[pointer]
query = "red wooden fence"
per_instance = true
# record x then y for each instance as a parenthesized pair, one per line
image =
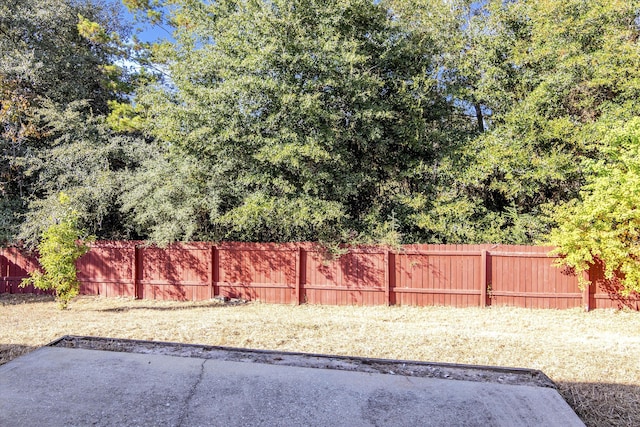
(294, 273)
(15, 266)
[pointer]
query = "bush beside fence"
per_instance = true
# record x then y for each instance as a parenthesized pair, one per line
(295, 273)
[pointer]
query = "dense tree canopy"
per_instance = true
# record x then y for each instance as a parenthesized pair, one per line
(392, 121)
(546, 74)
(313, 118)
(58, 81)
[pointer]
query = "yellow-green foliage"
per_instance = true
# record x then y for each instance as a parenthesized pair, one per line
(92, 31)
(123, 117)
(605, 223)
(59, 249)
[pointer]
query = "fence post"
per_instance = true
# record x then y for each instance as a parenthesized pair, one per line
(484, 280)
(586, 291)
(212, 261)
(2, 279)
(298, 275)
(215, 274)
(138, 294)
(387, 294)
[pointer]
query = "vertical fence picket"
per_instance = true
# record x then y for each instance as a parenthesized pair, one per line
(134, 273)
(586, 294)
(387, 269)
(212, 267)
(484, 280)
(4, 265)
(298, 277)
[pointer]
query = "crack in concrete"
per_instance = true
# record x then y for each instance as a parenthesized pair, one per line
(192, 392)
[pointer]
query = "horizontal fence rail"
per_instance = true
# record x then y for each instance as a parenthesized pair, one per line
(295, 273)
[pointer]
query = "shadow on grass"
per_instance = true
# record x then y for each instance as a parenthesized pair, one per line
(603, 404)
(186, 306)
(16, 299)
(9, 352)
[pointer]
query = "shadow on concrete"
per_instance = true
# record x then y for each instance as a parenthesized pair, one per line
(9, 352)
(603, 404)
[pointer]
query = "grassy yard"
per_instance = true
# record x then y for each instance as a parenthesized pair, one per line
(594, 358)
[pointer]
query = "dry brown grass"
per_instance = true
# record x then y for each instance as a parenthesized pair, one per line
(593, 357)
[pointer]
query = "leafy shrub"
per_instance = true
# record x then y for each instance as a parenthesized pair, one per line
(605, 223)
(59, 249)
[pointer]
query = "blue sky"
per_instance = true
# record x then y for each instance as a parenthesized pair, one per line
(149, 33)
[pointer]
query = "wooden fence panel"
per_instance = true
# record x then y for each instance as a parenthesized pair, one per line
(523, 276)
(357, 278)
(15, 266)
(604, 293)
(179, 272)
(265, 272)
(108, 270)
(438, 275)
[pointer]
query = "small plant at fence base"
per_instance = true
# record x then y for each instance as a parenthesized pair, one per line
(59, 249)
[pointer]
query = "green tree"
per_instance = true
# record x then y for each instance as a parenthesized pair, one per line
(84, 158)
(314, 120)
(170, 197)
(60, 92)
(550, 72)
